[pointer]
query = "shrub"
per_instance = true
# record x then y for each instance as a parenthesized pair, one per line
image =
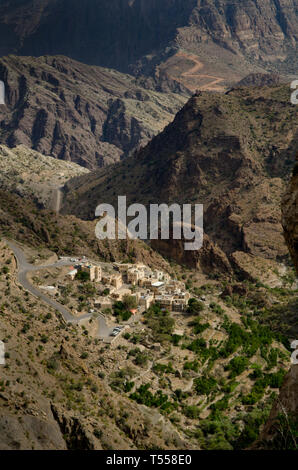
(237, 365)
(160, 322)
(205, 385)
(195, 306)
(83, 276)
(192, 412)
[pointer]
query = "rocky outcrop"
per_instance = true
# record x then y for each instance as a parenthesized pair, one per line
(280, 431)
(88, 115)
(254, 27)
(30, 432)
(209, 259)
(260, 80)
(290, 217)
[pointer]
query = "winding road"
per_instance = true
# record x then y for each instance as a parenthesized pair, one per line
(194, 72)
(24, 268)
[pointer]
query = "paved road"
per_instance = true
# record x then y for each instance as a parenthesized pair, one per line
(24, 268)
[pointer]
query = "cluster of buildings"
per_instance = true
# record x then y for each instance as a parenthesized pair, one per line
(147, 285)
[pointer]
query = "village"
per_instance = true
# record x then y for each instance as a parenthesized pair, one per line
(111, 291)
(146, 286)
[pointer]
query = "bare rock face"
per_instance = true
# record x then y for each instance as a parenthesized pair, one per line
(279, 431)
(209, 259)
(27, 432)
(110, 33)
(88, 115)
(290, 217)
(260, 80)
(256, 27)
(94, 32)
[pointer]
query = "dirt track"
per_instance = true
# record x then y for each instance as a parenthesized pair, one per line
(194, 72)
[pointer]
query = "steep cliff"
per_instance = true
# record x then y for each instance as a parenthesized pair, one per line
(110, 33)
(280, 432)
(121, 33)
(290, 217)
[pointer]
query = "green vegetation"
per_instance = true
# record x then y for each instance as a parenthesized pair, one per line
(120, 311)
(250, 340)
(199, 327)
(83, 276)
(274, 380)
(129, 302)
(191, 365)
(199, 346)
(163, 368)
(160, 322)
(158, 400)
(192, 412)
(237, 365)
(205, 385)
(195, 307)
(216, 308)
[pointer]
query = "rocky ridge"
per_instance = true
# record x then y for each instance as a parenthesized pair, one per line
(254, 30)
(75, 112)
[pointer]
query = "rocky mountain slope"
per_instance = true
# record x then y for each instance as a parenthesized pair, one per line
(232, 153)
(21, 220)
(290, 217)
(280, 431)
(51, 395)
(110, 33)
(34, 176)
(147, 36)
(89, 115)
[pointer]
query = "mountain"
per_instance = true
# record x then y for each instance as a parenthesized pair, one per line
(290, 216)
(88, 115)
(110, 33)
(148, 35)
(233, 153)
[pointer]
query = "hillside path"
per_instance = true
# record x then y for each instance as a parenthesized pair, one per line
(194, 72)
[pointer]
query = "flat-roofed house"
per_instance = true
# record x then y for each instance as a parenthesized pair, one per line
(113, 280)
(165, 301)
(178, 305)
(119, 294)
(133, 276)
(93, 271)
(72, 274)
(156, 286)
(146, 300)
(103, 302)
